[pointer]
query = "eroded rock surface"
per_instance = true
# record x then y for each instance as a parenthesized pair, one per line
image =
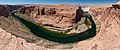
(59, 16)
(16, 28)
(108, 37)
(10, 42)
(6, 9)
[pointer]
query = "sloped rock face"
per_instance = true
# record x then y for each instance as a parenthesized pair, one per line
(48, 11)
(108, 36)
(47, 14)
(14, 7)
(6, 9)
(111, 27)
(106, 39)
(59, 16)
(10, 42)
(27, 10)
(16, 28)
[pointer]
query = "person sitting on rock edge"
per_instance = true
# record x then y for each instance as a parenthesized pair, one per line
(79, 14)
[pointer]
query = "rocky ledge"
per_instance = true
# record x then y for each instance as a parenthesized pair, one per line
(107, 38)
(10, 42)
(57, 16)
(6, 9)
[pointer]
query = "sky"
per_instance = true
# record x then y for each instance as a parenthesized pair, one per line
(86, 2)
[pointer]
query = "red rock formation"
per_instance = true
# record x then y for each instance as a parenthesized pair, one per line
(108, 37)
(10, 42)
(6, 9)
(60, 16)
(27, 10)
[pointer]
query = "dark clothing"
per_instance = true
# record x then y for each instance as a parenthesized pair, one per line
(79, 15)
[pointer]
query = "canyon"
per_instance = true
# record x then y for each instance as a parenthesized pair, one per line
(14, 35)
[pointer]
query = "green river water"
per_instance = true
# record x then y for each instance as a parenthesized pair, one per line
(58, 36)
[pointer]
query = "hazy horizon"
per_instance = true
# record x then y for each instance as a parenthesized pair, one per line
(83, 2)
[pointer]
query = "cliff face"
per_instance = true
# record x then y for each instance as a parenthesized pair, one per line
(6, 9)
(50, 10)
(60, 16)
(11, 42)
(14, 7)
(108, 36)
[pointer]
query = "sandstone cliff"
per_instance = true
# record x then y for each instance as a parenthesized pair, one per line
(6, 9)
(106, 39)
(108, 36)
(59, 16)
(10, 42)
